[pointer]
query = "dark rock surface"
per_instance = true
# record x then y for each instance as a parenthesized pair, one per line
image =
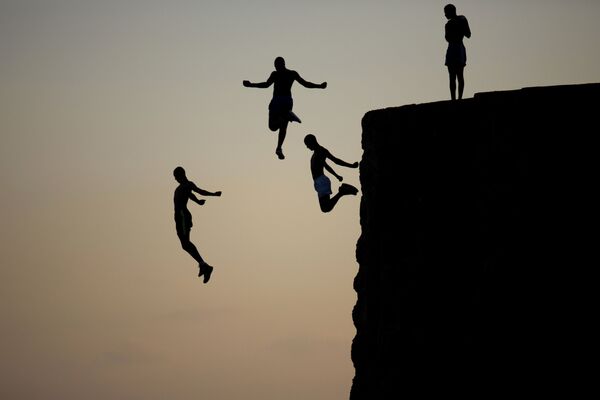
(469, 218)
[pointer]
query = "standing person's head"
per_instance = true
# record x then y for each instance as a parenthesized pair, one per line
(311, 141)
(279, 64)
(450, 11)
(179, 174)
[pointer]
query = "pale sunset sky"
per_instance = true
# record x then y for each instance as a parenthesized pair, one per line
(101, 100)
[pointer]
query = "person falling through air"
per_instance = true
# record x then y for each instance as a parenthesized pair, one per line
(183, 217)
(280, 107)
(318, 162)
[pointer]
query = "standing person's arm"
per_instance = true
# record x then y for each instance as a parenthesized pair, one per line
(467, 28)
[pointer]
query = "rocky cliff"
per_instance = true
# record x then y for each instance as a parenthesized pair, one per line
(466, 215)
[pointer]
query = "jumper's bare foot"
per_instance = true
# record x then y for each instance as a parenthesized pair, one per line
(205, 270)
(294, 118)
(207, 274)
(279, 153)
(348, 189)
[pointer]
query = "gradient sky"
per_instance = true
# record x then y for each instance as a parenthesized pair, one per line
(100, 100)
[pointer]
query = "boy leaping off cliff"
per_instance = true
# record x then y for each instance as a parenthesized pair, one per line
(280, 107)
(318, 162)
(183, 217)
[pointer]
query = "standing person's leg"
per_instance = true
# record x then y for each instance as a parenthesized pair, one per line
(452, 77)
(461, 81)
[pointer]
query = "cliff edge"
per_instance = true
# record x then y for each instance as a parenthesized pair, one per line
(466, 218)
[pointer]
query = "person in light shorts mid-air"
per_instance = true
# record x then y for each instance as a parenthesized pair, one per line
(322, 184)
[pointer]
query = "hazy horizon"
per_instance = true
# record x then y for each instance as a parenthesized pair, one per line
(100, 101)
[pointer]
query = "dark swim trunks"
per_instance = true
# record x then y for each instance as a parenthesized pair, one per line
(456, 55)
(323, 186)
(183, 222)
(281, 105)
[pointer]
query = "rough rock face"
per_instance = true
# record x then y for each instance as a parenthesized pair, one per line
(469, 223)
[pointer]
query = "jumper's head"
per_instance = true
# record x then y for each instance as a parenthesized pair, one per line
(279, 64)
(311, 141)
(179, 174)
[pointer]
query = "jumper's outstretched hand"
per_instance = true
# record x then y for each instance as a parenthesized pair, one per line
(201, 202)
(246, 83)
(355, 165)
(323, 85)
(340, 178)
(218, 193)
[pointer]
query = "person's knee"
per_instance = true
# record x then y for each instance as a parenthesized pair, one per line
(325, 206)
(274, 122)
(185, 243)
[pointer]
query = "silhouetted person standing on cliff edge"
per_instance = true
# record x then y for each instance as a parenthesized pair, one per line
(457, 28)
(318, 162)
(183, 217)
(280, 108)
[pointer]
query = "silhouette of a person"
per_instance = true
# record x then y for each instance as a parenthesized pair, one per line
(456, 29)
(322, 184)
(280, 107)
(183, 217)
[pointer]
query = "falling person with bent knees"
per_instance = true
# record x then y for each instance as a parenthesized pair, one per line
(456, 29)
(183, 217)
(280, 107)
(318, 163)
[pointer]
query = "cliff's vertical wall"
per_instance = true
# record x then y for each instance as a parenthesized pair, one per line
(465, 216)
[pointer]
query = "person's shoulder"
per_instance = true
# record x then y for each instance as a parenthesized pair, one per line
(323, 150)
(188, 185)
(462, 18)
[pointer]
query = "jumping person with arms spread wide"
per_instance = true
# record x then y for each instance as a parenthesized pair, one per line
(280, 107)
